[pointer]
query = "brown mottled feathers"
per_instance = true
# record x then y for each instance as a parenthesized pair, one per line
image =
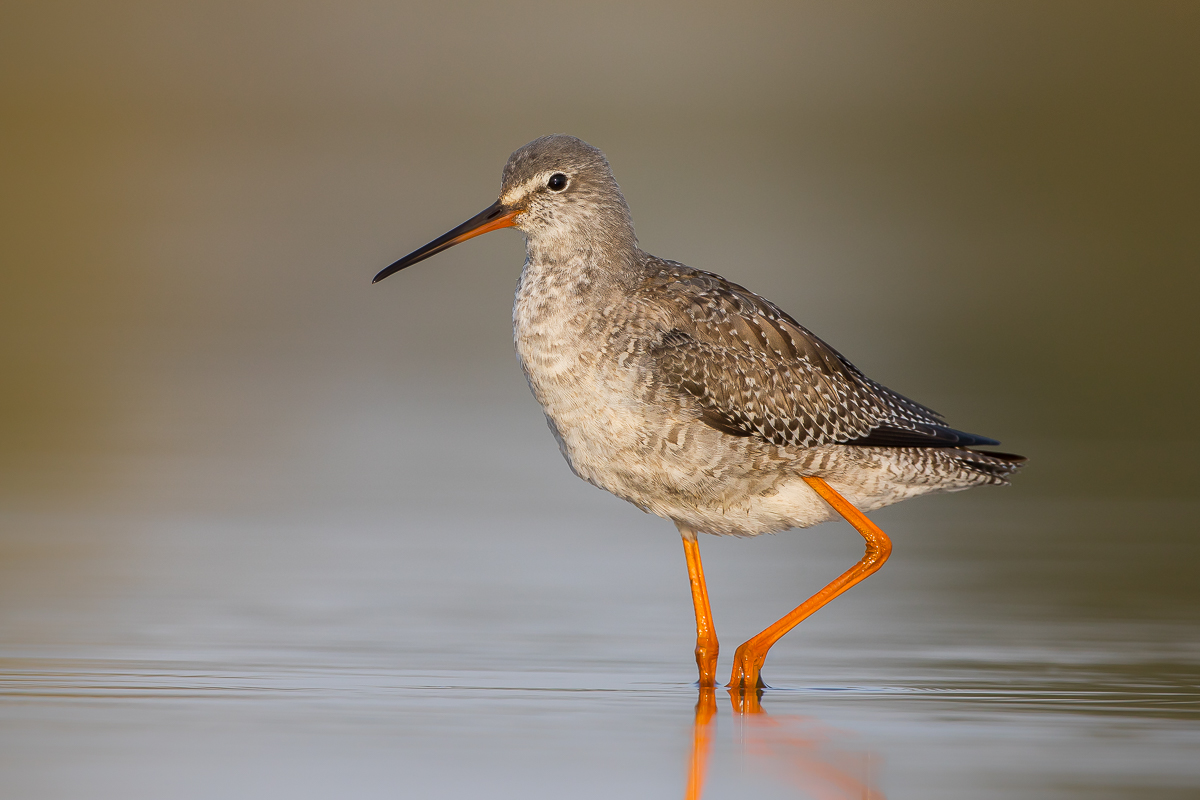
(755, 371)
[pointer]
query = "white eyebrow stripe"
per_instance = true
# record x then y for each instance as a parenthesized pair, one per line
(517, 192)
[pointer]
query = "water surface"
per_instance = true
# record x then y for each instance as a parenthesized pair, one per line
(545, 650)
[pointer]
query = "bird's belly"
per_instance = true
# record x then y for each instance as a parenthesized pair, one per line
(619, 433)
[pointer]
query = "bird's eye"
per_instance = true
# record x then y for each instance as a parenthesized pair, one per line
(557, 182)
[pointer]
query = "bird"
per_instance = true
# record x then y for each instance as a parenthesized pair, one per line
(695, 399)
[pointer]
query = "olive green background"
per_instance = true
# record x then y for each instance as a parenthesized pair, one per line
(991, 207)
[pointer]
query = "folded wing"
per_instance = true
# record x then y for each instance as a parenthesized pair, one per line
(755, 371)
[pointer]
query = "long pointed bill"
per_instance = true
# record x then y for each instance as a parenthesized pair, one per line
(492, 218)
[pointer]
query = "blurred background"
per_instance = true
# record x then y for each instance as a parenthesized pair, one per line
(218, 438)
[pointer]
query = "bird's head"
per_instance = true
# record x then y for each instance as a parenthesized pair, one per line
(560, 191)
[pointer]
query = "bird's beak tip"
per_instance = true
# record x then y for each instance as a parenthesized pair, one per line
(492, 218)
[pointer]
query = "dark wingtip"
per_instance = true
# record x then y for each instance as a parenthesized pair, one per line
(921, 435)
(1012, 457)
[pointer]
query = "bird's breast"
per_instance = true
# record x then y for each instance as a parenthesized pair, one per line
(577, 359)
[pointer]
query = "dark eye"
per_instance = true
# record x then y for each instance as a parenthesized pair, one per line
(557, 182)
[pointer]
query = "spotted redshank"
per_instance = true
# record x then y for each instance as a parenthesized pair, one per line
(694, 398)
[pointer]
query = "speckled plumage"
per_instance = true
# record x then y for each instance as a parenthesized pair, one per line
(696, 399)
(686, 394)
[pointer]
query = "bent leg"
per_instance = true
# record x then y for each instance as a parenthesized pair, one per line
(749, 658)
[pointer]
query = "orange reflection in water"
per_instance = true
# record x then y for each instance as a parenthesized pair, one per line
(805, 752)
(706, 709)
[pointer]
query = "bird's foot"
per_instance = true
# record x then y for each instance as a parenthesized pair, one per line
(747, 670)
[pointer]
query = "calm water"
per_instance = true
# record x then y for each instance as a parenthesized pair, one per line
(269, 531)
(428, 647)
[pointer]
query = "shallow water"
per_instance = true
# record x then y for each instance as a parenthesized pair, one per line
(424, 649)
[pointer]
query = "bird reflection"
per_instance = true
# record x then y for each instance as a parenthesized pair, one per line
(706, 709)
(803, 751)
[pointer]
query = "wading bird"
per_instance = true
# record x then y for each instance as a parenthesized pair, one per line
(694, 398)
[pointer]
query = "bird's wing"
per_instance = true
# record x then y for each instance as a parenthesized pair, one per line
(755, 371)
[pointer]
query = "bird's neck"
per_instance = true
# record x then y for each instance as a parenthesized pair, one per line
(563, 288)
(579, 266)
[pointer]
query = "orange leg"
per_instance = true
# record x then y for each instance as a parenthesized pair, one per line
(749, 658)
(706, 634)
